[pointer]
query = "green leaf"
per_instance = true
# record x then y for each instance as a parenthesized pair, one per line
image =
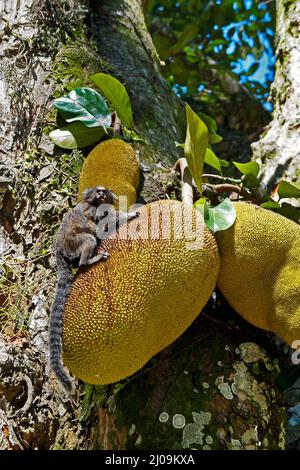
(116, 93)
(200, 201)
(132, 136)
(214, 138)
(250, 181)
(85, 105)
(286, 189)
(195, 145)
(202, 206)
(289, 211)
(177, 144)
(224, 163)
(212, 160)
(76, 135)
(272, 205)
(288, 377)
(211, 125)
(250, 168)
(218, 218)
(209, 122)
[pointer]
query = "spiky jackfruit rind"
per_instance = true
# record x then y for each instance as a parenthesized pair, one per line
(260, 269)
(112, 164)
(123, 311)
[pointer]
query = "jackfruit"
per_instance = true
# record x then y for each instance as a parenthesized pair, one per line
(112, 164)
(123, 311)
(260, 269)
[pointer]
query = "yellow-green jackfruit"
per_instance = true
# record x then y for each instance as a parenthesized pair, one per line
(112, 164)
(260, 269)
(123, 311)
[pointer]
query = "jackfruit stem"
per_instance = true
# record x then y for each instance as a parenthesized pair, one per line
(117, 125)
(187, 196)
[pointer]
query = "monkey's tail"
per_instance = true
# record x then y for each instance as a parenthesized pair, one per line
(63, 287)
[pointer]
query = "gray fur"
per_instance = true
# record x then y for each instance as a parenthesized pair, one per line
(76, 240)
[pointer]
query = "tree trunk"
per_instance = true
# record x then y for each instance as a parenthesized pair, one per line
(214, 387)
(279, 147)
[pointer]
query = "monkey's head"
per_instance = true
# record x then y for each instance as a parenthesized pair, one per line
(99, 195)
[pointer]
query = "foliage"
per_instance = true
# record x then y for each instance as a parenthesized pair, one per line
(197, 152)
(90, 110)
(200, 40)
(196, 142)
(76, 135)
(217, 218)
(222, 216)
(118, 96)
(84, 105)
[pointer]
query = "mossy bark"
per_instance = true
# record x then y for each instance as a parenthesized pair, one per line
(119, 30)
(202, 392)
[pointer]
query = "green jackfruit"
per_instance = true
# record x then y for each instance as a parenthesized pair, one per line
(112, 164)
(123, 311)
(260, 269)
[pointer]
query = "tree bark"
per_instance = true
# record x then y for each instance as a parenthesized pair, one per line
(122, 38)
(214, 387)
(279, 147)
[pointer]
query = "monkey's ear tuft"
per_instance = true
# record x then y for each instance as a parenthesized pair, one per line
(87, 193)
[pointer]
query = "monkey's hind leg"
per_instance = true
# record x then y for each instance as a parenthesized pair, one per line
(87, 252)
(104, 256)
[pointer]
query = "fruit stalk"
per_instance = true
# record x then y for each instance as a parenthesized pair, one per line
(187, 196)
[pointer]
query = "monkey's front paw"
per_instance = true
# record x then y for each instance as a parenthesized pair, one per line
(104, 256)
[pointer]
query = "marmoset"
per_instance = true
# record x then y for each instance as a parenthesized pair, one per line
(76, 241)
(92, 220)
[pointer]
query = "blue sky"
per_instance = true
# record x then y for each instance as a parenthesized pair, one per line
(265, 71)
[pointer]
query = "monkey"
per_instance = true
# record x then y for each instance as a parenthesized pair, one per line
(76, 240)
(109, 220)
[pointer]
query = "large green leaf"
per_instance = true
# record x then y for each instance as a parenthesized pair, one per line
(195, 145)
(286, 189)
(250, 168)
(217, 218)
(211, 125)
(76, 135)
(85, 105)
(117, 95)
(212, 160)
